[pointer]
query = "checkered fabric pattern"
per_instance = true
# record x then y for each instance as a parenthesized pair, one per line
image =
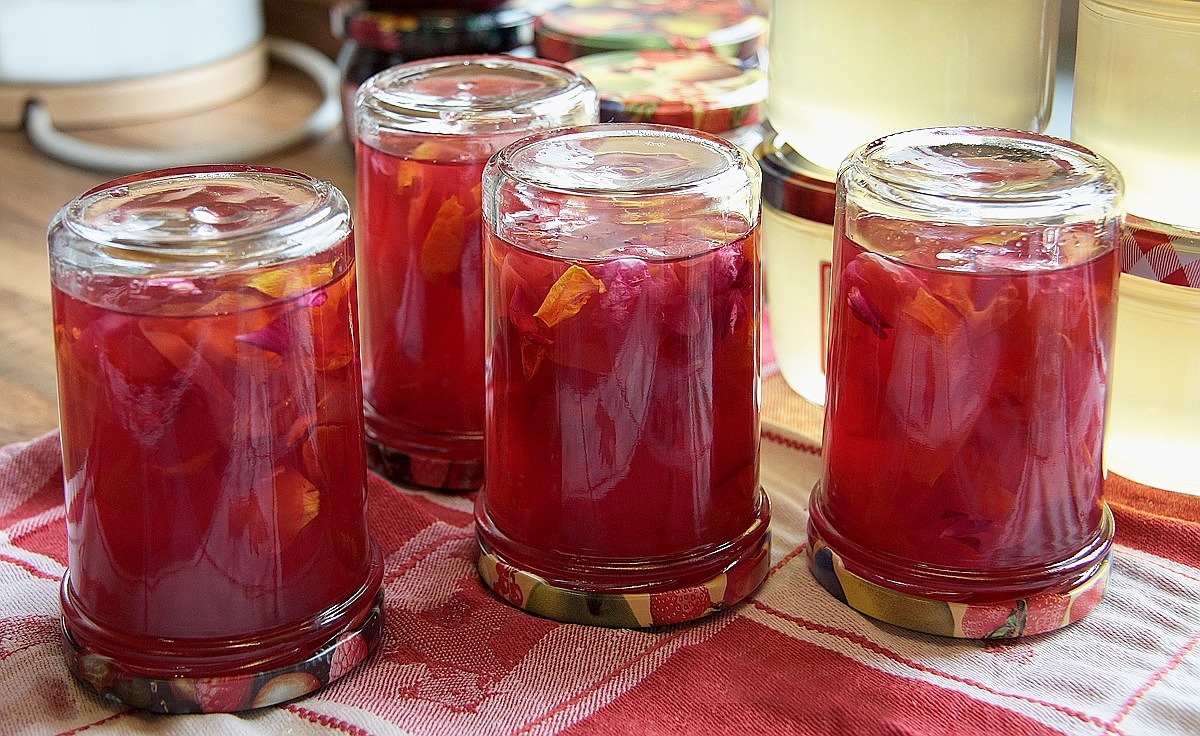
(1161, 254)
(790, 660)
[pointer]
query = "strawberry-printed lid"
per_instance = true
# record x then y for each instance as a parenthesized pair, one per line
(580, 27)
(1011, 618)
(632, 609)
(690, 89)
(231, 692)
(793, 184)
(1163, 253)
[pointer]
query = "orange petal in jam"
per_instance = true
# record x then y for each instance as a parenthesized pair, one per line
(928, 310)
(442, 251)
(568, 295)
(280, 282)
(297, 502)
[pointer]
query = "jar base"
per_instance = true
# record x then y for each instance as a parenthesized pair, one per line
(230, 693)
(643, 607)
(1055, 604)
(426, 467)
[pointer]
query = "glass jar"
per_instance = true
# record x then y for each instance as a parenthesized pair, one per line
(623, 347)
(1153, 432)
(975, 286)
(845, 72)
(1136, 101)
(577, 28)
(210, 403)
(689, 89)
(377, 36)
(797, 235)
(425, 130)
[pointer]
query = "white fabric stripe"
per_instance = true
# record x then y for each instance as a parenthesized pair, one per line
(33, 523)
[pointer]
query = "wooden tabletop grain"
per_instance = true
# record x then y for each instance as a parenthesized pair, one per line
(33, 187)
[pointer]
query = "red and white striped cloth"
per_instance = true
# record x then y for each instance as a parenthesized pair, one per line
(791, 660)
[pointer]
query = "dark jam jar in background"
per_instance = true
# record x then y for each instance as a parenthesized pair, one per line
(425, 131)
(622, 398)
(382, 33)
(211, 410)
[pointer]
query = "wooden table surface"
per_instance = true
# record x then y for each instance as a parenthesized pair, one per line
(33, 187)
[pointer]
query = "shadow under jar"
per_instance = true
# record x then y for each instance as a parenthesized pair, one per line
(623, 318)
(975, 276)
(211, 409)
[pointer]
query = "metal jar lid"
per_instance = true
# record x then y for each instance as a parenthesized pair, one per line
(419, 34)
(793, 184)
(690, 89)
(577, 28)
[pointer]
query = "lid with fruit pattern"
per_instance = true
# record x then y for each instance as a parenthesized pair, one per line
(577, 28)
(985, 618)
(690, 89)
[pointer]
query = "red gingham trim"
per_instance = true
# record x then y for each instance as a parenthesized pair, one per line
(871, 646)
(1160, 252)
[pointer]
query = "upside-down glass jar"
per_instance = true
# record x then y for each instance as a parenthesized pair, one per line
(379, 35)
(975, 285)
(211, 416)
(623, 294)
(425, 131)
